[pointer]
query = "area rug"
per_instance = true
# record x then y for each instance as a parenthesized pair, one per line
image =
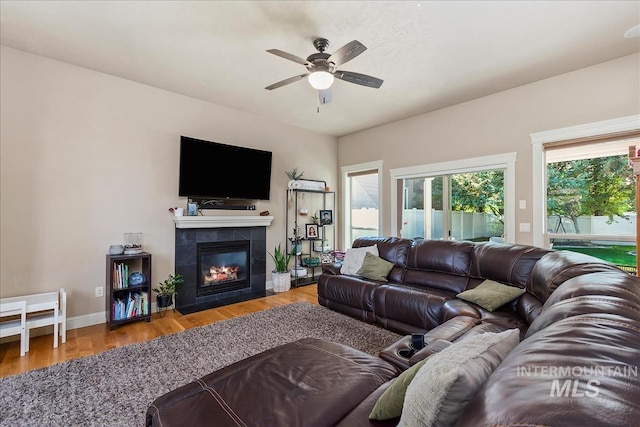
(115, 388)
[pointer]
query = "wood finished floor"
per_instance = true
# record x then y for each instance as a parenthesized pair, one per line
(98, 338)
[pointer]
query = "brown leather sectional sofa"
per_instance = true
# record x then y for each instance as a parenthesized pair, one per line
(578, 362)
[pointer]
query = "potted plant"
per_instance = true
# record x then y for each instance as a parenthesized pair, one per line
(167, 289)
(280, 277)
(293, 174)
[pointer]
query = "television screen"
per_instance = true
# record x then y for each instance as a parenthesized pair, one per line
(220, 171)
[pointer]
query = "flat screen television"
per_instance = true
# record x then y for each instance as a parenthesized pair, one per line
(211, 170)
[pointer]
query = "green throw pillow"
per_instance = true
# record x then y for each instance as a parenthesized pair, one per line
(375, 268)
(389, 404)
(441, 390)
(491, 295)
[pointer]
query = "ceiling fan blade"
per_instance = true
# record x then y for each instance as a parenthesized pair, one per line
(286, 81)
(289, 56)
(347, 52)
(359, 79)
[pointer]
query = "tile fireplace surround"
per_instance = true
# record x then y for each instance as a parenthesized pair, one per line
(191, 230)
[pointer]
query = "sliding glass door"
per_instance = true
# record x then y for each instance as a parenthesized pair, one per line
(459, 206)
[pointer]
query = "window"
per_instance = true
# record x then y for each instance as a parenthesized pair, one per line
(471, 199)
(361, 184)
(587, 192)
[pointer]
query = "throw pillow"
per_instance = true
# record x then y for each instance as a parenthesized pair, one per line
(491, 295)
(354, 257)
(448, 380)
(389, 404)
(374, 267)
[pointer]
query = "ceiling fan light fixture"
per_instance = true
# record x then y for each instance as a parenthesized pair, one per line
(321, 80)
(632, 32)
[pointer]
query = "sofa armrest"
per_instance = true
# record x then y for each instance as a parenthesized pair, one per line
(332, 269)
(456, 307)
(429, 349)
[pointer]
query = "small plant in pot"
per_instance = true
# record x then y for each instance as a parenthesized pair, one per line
(167, 289)
(280, 277)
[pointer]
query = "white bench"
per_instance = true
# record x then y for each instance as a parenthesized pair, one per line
(45, 309)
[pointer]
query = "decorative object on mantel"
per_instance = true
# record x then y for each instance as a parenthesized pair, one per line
(177, 211)
(192, 209)
(280, 277)
(116, 250)
(132, 243)
(166, 290)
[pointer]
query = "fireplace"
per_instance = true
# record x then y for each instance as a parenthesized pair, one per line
(222, 267)
(222, 261)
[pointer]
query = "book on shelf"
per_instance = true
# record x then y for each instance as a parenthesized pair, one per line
(133, 305)
(120, 276)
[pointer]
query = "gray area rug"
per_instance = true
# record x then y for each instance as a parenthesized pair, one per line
(115, 388)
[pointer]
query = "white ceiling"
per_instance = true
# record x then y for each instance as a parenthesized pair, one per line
(430, 54)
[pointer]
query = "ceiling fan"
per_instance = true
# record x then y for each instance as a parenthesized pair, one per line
(323, 67)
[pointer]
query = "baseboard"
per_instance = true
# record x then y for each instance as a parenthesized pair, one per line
(72, 323)
(83, 321)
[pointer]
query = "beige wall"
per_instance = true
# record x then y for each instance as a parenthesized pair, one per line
(86, 157)
(499, 123)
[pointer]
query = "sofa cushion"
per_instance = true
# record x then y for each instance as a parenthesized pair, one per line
(404, 309)
(351, 295)
(505, 262)
(439, 264)
(614, 292)
(557, 267)
(375, 268)
(354, 258)
(491, 295)
(448, 380)
(393, 249)
(389, 405)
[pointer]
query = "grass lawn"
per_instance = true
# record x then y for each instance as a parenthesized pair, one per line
(618, 255)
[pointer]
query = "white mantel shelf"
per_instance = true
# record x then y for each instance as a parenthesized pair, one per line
(217, 221)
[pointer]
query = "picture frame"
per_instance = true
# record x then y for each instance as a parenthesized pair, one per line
(326, 217)
(311, 232)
